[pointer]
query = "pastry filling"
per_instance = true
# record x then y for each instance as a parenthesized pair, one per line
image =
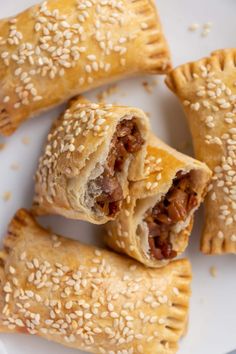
(174, 208)
(126, 140)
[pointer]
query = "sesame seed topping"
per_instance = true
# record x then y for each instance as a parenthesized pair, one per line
(215, 100)
(220, 235)
(12, 270)
(58, 45)
(193, 27)
(6, 99)
(233, 238)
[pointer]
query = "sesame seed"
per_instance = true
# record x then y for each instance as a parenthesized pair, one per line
(12, 270)
(110, 307)
(6, 99)
(91, 57)
(7, 196)
(19, 323)
(193, 27)
(176, 291)
(81, 148)
(144, 25)
(23, 256)
(233, 238)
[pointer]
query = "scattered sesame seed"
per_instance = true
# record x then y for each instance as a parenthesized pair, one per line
(213, 271)
(193, 27)
(25, 140)
(205, 32)
(15, 166)
(7, 196)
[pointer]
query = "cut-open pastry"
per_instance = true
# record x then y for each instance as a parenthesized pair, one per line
(59, 49)
(207, 91)
(157, 216)
(87, 298)
(93, 151)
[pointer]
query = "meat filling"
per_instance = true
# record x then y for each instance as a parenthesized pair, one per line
(174, 207)
(126, 140)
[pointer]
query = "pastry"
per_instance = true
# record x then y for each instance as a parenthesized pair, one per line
(156, 217)
(56, 50)
(87, 298)
(207, 91)
(93, 150)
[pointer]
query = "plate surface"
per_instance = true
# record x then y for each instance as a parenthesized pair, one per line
(212, 325)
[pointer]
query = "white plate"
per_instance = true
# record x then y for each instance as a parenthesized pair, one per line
(212, 326)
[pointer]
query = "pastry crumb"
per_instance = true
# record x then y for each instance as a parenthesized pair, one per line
(6, 196)
(103, 95)
(2, 146)
(149, 85)
(213, 271)
(193, 27)
(15, 166)
(148, 114)
(25, 140)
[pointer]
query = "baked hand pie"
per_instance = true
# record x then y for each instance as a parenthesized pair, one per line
(56, 50)
(87, 298)
(156, 217)
(207, 91)
(92, 153)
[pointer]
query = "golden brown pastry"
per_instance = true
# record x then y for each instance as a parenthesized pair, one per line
(87, 298)
(92, 152)
(207, 91)
(59, 49)
(157, 216)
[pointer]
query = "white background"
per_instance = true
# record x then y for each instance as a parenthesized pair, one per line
(212, 325)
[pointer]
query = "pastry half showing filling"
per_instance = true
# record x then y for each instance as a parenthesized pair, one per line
(156, 217)
(169, 217)
(92, 153)
(105, 192)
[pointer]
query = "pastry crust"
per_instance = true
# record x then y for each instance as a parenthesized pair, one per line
(76, 155)
(54, 51)
(129, 233)
(207, 90)
(87, 298)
